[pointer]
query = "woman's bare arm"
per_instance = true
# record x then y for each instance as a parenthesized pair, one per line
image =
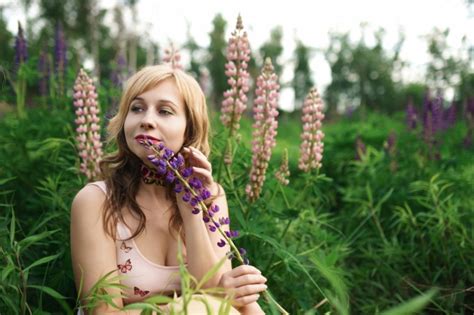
(92, 250)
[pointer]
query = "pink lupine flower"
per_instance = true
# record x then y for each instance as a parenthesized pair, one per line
(283, 172)
(235, 98)
(88, 129)
(311, 149)
(173, 57)
(265, 127)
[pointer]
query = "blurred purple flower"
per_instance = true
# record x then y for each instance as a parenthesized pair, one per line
(44, 72)
(411, 115)
(60, 56)
(449, 116)
(21, 53)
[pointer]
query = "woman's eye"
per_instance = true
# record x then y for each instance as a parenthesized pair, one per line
(136, 108)
(165, 112)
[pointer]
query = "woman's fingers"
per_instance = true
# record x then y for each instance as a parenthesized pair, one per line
(249, 279)
(198, 158)
(243, 270)
(250, 289)
(244, 300)
(204, 173)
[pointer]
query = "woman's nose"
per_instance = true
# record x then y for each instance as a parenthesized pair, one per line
(147, 121)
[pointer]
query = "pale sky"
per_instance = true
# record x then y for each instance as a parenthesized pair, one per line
(310, 21)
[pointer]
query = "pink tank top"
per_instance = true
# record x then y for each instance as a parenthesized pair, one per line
(142, 277)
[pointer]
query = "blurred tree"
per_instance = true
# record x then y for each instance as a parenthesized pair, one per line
(273, 48)
(193, 49)
(217, 60)
(302, 81)
(362, 76)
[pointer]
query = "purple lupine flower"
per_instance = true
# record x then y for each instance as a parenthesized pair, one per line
(192, 190)
(312, 146)
(360, 148)
(432, 117)
(119, 72)
(235, 98)
(411, 115)
(173, 57)
(60, 56)
(265, 128)
(88, 125)
(21, 52)
(44, 72)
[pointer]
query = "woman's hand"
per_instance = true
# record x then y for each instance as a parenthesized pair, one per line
(202, 168)
(244, 283)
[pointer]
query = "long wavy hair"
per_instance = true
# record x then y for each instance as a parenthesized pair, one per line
(121, 169)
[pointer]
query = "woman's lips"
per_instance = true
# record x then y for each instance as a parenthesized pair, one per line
(141, 138)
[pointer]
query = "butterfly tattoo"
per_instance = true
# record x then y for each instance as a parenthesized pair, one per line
(125, 248)
(125, 267)
(142, 293)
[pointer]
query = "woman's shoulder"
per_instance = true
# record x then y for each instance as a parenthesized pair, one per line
(89, 200)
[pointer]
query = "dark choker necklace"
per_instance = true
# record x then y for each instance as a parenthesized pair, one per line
(150, 176)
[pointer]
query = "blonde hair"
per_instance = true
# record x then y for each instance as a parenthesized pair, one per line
(121, 169)
(197, 124)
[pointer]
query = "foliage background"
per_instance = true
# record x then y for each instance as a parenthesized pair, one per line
(362, 236)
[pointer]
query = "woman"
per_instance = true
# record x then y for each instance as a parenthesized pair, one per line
(132, 221)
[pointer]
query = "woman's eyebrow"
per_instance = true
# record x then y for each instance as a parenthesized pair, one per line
(162, 101)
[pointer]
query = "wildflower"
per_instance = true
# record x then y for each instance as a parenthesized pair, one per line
(360, 148)
(312, 147)
(265, 127)
(88, 127)
(432, 117)
(449, 116)
(118, 74)
(44, 71)
(411, 115)
(283, 172)
(21, 53)
(60, 56)
(193, 191)
(391, 149)
(235, 98)
(173, 57)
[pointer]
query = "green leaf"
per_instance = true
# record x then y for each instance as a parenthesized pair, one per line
(28, 241)
(12, 228)
(412, 306)
(42, 261)
(3, 181)
(55, 294)
(211, 272)
(6, 271)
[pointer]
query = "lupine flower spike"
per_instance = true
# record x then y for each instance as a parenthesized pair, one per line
(283, 172)
(172, 168)
(20, 58)
(88, 127)
(173, 57)
(312, 146)
(44, 72)
(411, 115)
(235, 98)
(60, 57)
(265, 128)
(21, 53)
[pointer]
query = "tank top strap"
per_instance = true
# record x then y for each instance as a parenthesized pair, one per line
(122, 231)
(100, 184)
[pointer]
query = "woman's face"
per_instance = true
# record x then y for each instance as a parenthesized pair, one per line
(159, 113)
